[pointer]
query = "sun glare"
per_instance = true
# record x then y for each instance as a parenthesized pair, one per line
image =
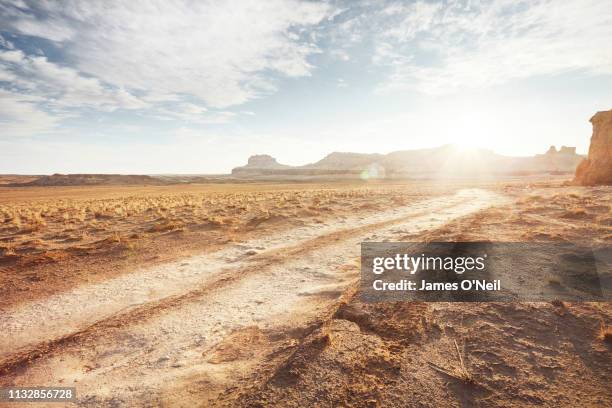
(473, 131)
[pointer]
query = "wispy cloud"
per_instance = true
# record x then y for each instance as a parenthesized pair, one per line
(61, 86)
(21, 116)
(214, 51)
(167, 59)
(435, 49)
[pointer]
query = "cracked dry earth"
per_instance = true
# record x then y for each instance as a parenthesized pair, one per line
(192, 332)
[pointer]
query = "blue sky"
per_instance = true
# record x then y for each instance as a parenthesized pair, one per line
(198, 86)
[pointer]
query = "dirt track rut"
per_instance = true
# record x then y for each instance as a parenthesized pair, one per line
(128, 338)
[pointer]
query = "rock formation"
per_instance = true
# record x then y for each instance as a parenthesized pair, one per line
(259, 163)
(443, 161)
(597, 167)
(263, 161)
(345, 161)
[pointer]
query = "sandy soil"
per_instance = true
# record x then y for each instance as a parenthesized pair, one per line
(272, 316)
(56, 238)
(457, 354)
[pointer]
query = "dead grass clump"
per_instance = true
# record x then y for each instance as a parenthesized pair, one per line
(368, 206)
(605, 333)
(560, 307)
(165, 227)
(460, 373)
(530, 199)
(575, 213)
(257, 219)
(306, 213)
(557, 303)
(102, 215)
(114, 238)
(15, 221)
(7, 250)
(540, 234)
(605, 220)
(128, 245)
(213, 222)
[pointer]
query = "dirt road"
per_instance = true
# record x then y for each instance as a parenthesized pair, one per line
(185, 331)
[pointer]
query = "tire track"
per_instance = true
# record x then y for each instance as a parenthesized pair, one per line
(142, 348)
(60, 316)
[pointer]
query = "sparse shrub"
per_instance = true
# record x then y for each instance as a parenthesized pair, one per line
(164, 227)
(575, 213)
(605, 333)
(16, 221)
(115, 238)
(7, 250)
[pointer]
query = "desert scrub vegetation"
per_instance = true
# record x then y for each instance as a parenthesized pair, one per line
(64, 223)
(605, 332)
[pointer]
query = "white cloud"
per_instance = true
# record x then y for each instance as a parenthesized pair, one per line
(41, 94)
(20, 115)
(6, 43)
(436, 49)
(214, 51)
(62, 87)
(193, 113)
(12, 56)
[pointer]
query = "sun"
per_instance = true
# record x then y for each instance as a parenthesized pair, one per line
(474, 130)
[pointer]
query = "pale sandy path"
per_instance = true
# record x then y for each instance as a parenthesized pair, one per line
(145, 356)
(59, 315)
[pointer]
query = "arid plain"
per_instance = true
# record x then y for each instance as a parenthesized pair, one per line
(246, 295)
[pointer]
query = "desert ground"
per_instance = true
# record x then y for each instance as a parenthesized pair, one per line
(247, 295)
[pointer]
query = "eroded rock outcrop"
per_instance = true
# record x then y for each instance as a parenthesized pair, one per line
(259, 163)
(442, 161)
(597, 167)
(263, 161)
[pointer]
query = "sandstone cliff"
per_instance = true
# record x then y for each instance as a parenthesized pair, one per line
(597, 167)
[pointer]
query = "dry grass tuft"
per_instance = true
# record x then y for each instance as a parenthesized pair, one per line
(605, 333)
(164, 226)
(557, 303)
(86, 219)
(575, 213)
(460, 373)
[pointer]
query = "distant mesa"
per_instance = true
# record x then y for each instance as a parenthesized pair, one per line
(596, 169)
(259, 164)
(445, 161)
(264, 161)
